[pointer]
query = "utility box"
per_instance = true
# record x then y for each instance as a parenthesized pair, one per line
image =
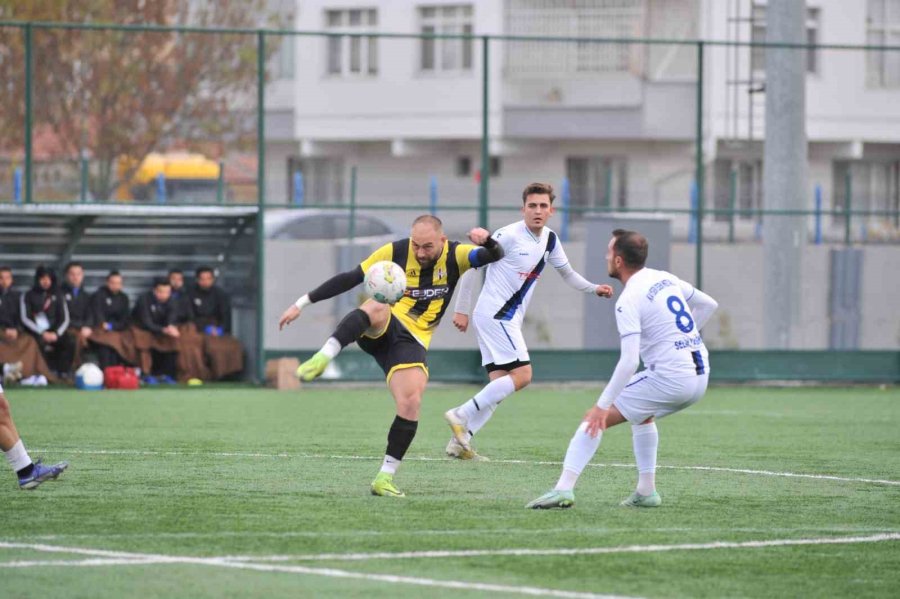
(600, 330)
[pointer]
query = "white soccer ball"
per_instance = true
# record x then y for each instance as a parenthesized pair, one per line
(89, 377)
(385, 282)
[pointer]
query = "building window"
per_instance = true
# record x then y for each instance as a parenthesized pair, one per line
(758, 34)
(580, 19)
(873, 186)
(322, 182)
(463, 166)
(282, 63)
(597, 182)
(352, 54)
(883, 29)
(737, 184)
(443, 55)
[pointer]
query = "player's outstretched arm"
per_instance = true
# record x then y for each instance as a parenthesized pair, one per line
(490, 250)
(579, 283)
(336, 285)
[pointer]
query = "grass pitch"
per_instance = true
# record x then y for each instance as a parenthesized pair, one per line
(254, 493)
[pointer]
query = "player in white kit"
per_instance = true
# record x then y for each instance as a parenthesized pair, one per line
(659, 318)
(529, 246)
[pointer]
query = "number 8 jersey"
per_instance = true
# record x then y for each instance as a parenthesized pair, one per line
(655, 305)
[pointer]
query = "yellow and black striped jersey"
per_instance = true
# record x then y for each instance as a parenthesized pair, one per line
(428, 290)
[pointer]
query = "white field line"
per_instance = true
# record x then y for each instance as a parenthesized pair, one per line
(121, 558)
(874, 481)
(469, 532)
(528, 552)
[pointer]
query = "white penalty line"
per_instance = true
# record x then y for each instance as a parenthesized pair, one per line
(121, 558)
(225, 454)
(529, 552)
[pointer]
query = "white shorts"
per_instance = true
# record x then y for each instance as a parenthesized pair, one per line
(649, 394)
(500, 342)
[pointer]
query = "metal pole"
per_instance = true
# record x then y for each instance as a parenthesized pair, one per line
(220, 185)
(698, 267)
(260, 201)
(29, 110)
(818, 215)
(432, 195)
(848, 196)
(84, 178)
(732, 197)
(352, 233)
(565, 192)
(485, 156)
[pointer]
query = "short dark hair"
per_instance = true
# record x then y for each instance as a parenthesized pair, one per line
(431, 220)
(5, 268)
(161, 282)
(202, 269)
(113, 273)
(175, 271)
(71, 265)
(539, 189)
(632, 247)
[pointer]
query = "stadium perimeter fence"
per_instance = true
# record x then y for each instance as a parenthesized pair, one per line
(295, 122)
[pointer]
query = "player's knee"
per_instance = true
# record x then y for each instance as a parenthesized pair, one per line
(5, 415)
(377, 313)
(521, 377)
(408, 406)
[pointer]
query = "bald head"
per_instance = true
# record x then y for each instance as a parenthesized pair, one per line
(427, 239)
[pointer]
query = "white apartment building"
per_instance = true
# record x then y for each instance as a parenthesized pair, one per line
(618, 121)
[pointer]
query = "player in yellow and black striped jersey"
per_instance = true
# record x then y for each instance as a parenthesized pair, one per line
(398, 336)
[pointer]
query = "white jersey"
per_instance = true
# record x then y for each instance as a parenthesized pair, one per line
(510, 281)
(654, 304)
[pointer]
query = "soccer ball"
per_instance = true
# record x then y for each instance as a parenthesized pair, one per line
(385, 282)
(89, 377)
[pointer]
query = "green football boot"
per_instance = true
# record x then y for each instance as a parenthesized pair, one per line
(383, 486)
(635, 500)
(553, 499)
(314, 367)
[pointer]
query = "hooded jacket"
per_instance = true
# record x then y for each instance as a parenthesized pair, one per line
(39, 307)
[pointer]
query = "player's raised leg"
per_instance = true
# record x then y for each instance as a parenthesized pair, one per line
(30, 474)
(407, 385)
(371, 318)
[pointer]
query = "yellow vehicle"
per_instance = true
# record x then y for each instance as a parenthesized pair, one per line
(172, 178)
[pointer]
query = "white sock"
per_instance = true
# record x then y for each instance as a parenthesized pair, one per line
(645, 438)
(331, 348)
(480, 418)
(582, 448)
(17, 457)
(492, 394)
(390, 464)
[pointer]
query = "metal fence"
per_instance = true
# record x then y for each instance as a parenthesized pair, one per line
(393, 125)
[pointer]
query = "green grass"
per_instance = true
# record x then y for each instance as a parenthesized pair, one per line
(224, 472)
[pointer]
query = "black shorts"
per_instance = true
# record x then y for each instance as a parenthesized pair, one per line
(395, 349)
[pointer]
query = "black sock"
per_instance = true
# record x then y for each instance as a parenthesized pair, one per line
(352, 327)
(400, 437)
(26, 471)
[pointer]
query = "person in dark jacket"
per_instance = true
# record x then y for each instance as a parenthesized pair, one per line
(78, 302)
(212, 316)
(16, 348)
(155, 313)
(46, 317)
(184, 313)
(210, 304)
(109, 308)
(10, 321)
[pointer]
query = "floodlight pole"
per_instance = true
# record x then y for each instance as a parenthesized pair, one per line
(485, 149)
(260, 203)
(699, 174)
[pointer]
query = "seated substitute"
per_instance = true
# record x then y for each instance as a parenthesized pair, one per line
(16, 348)
(109, 308)
(46, 317)
(78, 303)
(154, 313)
(211, 309)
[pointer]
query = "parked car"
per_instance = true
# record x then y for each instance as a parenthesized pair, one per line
(311, 224)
